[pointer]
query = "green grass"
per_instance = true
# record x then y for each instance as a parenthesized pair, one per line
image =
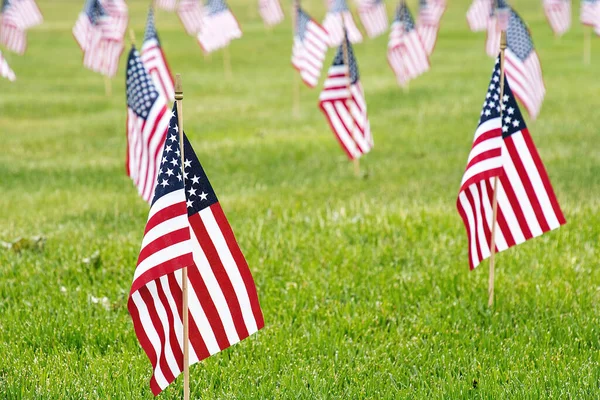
(364, 284)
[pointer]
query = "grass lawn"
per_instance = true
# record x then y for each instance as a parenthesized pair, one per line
(364, 283)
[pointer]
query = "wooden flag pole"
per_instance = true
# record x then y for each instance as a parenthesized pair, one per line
(296, 92)
(184, 278)
(495, 198)
(587, 45)
(132, 36)
(356, 161)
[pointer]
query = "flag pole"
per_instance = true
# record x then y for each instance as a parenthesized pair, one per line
(296, 94)
(495, 198)
(227, 63)
(356, 161)
(184, 278)
(132, 36)
(587, 45)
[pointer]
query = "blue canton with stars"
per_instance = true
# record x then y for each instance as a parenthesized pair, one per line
(141, 93)
(5, 5)
(150, 27)
(512, 119)
(339, 60)
(198, 190)
(404, 17)
(169, 177)
(302, 20)
(338, 6)
(518, 38)
(94, 10)
(216, 6)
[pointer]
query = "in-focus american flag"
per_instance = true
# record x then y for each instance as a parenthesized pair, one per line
(309, 49)
(5, 71)
(147, 123)
(270, 11)
(430, 15)
(590, 13)
(373, 15)
(479, 14)
(16, 17)
(406, 54)
(219, 26)
(155, 61)
(526, 204)
(191, 13)
(343, 103)
(167, 5)
(497, 22)
(338, 17)
(187, 228)
(558, 14)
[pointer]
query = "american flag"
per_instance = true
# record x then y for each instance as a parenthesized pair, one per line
(12, 37)
(479, 14)
(430, 15)
(190, 13)
(523, 67)
(5, 70)
(155, 61)
(558, 13)
(343, 103)
(219, 26)
(373, 15)
(222, 297)
(498, 22)
(25, 13)
(406, 53)
(310, 47)
(119, 14)
(270, 11)
(503, 148)
(167, 5)
(338, 17)
(147, 123)
(590, 13)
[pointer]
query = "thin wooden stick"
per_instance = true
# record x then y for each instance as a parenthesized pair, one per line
(227, 63)
(495, 198)
(184, 278)
(132, 36)
(347, 63)
(296, 90)
(587, 45)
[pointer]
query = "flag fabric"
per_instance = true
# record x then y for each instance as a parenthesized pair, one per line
(155, 62)
(430, 15)
(373, 16)
(25, 13)
(497, 22)
(5, 71)
(190, 13)
(503, 148)
(119, 15)
(479, 14)
(219, 27)
(523, 67)
(270, 11)
(336, 18)
(406, 54)
(187, 228)
(558, 14)
(167, 5)
(590, 13)
(147, 123)
(343, 103)
(12, 37)
(309, 49)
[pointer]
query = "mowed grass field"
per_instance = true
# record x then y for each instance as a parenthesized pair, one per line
(364, 283)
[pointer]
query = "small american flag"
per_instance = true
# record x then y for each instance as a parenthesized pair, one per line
(338, 17)
(12, 37)
(119, 14)
(270, 11)
(479, 14)
(373, 15)
(5, 71)
(187, 228)
(219, 26)
(190, 13)
(498, 22)
(167, 5)
(310, 47)
(155, 61)
(343, 103)
(523, 67)
(558, 13)
(503, 148)
(406, 53)
(590, 13)
(16, 16)
(430, 15)
(147, 123)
